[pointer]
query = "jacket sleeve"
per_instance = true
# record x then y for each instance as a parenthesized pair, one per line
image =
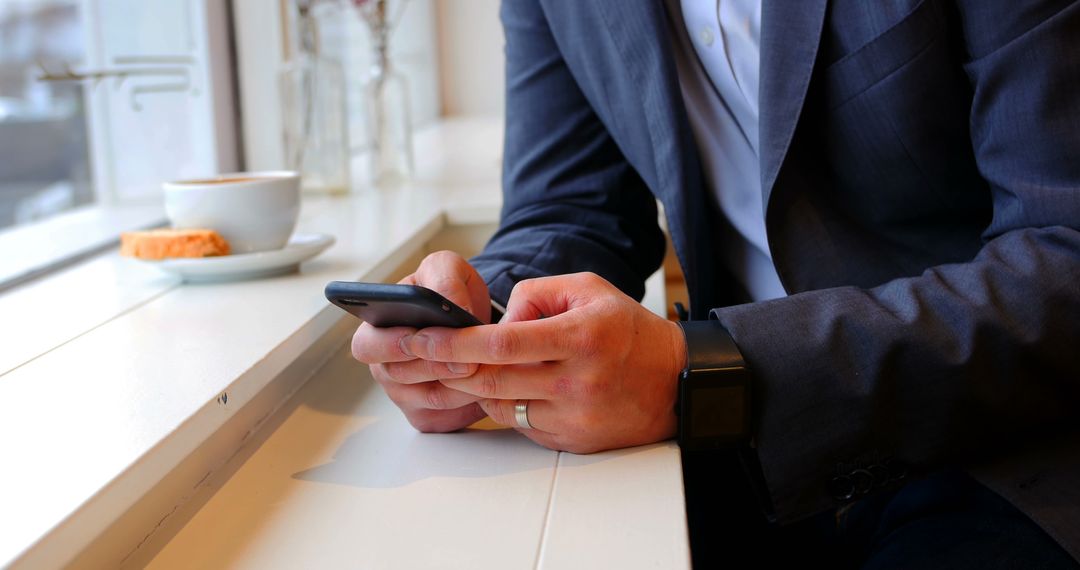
(571, 202)
(964, 360)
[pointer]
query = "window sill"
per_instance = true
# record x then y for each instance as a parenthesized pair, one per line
(44, 246)
(124, 373)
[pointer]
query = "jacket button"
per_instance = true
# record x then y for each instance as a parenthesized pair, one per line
(842, 488)
(861, 481)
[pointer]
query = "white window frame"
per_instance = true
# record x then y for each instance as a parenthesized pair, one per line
(36, 249)
(256, 32)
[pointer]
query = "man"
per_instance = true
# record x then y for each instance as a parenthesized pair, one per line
(881, 219)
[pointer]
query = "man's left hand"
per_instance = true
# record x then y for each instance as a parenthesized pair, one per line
(598, 370)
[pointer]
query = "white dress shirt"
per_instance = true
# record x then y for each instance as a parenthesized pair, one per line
(717, 53)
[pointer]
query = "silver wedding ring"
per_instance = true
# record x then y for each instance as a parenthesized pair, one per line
(521, 414)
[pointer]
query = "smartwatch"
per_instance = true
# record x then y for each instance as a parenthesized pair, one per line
(714, 400)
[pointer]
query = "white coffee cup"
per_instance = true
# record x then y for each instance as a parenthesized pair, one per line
(253, 211)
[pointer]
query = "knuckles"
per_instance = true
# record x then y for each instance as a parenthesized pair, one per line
(447, 285)
(589, 338)
(432, 346)
(443, 259)
(593, 386)
(438, 264)
(562, 387)
(434, 397)
(486, 382)
(589, 282)
(448, 274)
(590, 279)
(526, 287)
(503, 344)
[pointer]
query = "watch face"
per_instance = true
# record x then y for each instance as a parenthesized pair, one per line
(714, 408)
(717, 411)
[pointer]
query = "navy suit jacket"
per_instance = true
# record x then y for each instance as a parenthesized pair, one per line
(921, 174)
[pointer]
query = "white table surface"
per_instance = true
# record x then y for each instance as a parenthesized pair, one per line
(99, 405)
(345, 482)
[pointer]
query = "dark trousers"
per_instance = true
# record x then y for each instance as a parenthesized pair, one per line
(947, 520)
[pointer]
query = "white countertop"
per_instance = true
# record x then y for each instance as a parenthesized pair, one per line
(345, 482)
(112, 373)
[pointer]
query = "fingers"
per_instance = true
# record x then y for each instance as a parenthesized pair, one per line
(539, 381)
(447, 279)
(442, 421)
(504, 343)
(416, 371)
(534, 299)
(450, 275)
(548, 425)
(429, 406)
(372, 344)
(522, 336)
(444, 272)
(503, 412)
(421, 396)
(542, 297)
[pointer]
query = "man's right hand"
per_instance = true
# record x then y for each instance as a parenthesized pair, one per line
(411, 382)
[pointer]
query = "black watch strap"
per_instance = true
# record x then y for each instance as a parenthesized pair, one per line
(714, 390)
(709, 346)
(712, 352)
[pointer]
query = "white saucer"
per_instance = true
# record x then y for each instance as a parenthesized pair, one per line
(301, 247)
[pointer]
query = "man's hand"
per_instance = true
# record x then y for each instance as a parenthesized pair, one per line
(598, 369)
(409, 381)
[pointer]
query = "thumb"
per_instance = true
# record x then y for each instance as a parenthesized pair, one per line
(537, 298)
(448, 274)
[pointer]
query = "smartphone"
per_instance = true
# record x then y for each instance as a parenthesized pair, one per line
(385, 305)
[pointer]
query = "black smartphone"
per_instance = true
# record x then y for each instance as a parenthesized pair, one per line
(385, 305)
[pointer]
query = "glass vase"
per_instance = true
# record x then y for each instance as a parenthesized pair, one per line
(315, 117)
(389, 131)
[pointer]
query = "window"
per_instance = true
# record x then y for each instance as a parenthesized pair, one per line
(145, 91)
(43, 125)
(137, 92)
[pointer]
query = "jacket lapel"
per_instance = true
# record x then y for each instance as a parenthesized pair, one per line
(791, 32)
(640, 32)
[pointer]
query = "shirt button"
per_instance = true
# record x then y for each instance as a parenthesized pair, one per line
(706, 36)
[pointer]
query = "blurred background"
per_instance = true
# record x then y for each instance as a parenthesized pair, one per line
(43, 126)
(101, 100)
